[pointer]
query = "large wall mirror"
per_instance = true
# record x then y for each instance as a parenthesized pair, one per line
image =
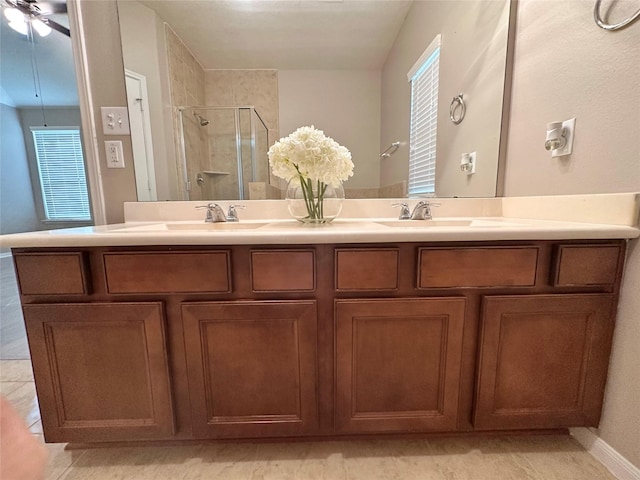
(43, 156)
(212, 84)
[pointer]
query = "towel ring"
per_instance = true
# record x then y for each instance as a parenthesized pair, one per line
(608, 26)
(457, 104)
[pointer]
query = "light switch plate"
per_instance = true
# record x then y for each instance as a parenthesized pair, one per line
(115, 120)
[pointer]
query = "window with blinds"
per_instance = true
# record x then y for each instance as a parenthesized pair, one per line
(424, 121)
(61, 171)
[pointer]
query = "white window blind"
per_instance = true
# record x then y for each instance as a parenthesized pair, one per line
(62, 175)
(424, 121)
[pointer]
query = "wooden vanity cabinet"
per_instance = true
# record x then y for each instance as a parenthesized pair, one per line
(184, 342)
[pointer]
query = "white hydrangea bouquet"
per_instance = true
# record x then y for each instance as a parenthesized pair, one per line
(315, 165)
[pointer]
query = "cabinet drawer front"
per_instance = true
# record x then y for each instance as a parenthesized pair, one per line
(586, 265)
(283, 270)
(477, 267)
(164, 272)
(52, 273)
(366, 269)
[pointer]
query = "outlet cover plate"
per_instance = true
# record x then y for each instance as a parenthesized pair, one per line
(569, 126)
(115, 155)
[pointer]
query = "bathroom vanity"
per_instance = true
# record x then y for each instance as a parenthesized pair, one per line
(165, 330)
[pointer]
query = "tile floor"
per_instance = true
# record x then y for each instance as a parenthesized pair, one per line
(551, 457)
(13, 338)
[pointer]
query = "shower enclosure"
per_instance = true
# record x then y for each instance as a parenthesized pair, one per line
(223, 151)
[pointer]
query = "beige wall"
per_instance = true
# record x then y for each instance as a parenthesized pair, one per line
(345, 104)
(566, 66)
(472, 62)
(106, 80)
(144, 52)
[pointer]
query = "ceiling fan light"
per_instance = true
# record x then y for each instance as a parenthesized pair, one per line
(13, 15)
(20, 27)
(40, 27)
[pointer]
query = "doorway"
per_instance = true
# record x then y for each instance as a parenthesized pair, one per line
(140, 124)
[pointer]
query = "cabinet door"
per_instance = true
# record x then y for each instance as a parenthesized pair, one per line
(543, 361)
(101, 371)
(398, 364)
(252, 367)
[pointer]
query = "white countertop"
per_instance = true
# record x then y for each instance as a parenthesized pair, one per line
(609, 216)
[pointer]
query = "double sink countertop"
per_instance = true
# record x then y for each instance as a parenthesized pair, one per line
(601, 216)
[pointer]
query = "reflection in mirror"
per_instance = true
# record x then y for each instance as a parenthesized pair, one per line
(341, 67)
(225, 150)
(43, 183)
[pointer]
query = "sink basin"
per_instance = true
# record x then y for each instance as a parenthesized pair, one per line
(446, 222)
(215, 226)
(191, 227)
(426, 223)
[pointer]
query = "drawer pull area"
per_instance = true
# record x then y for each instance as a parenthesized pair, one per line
(477, 267)
(168, 272)
(585, 265)
(283, 271)
(52, 273)
(366, 269)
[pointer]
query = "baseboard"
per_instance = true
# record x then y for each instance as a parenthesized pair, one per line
(619, 466)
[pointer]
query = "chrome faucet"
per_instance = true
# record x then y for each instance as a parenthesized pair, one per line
(214, 213)
(422, 210)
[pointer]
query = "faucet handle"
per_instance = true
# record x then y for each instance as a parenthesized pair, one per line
(232, 215)
(405, 213)
(208, 205)
(214, 213)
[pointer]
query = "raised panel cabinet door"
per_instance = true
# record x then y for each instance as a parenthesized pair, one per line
(101, 371)
(398, 364)
(251, 367)
(543, 361)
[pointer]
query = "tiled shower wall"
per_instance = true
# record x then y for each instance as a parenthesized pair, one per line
(187, 88)
(257, 88)
(212, 148)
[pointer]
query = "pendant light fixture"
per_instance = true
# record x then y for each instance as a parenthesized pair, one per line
(20, 22)
(23, 14)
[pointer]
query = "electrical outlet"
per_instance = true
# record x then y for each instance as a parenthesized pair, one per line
(115, 120)
(115, 155)
(569, 127)
(468, 163)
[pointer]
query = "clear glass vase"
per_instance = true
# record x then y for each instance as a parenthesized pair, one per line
(312, 201)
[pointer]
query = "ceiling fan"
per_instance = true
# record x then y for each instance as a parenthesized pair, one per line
(22, 12)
